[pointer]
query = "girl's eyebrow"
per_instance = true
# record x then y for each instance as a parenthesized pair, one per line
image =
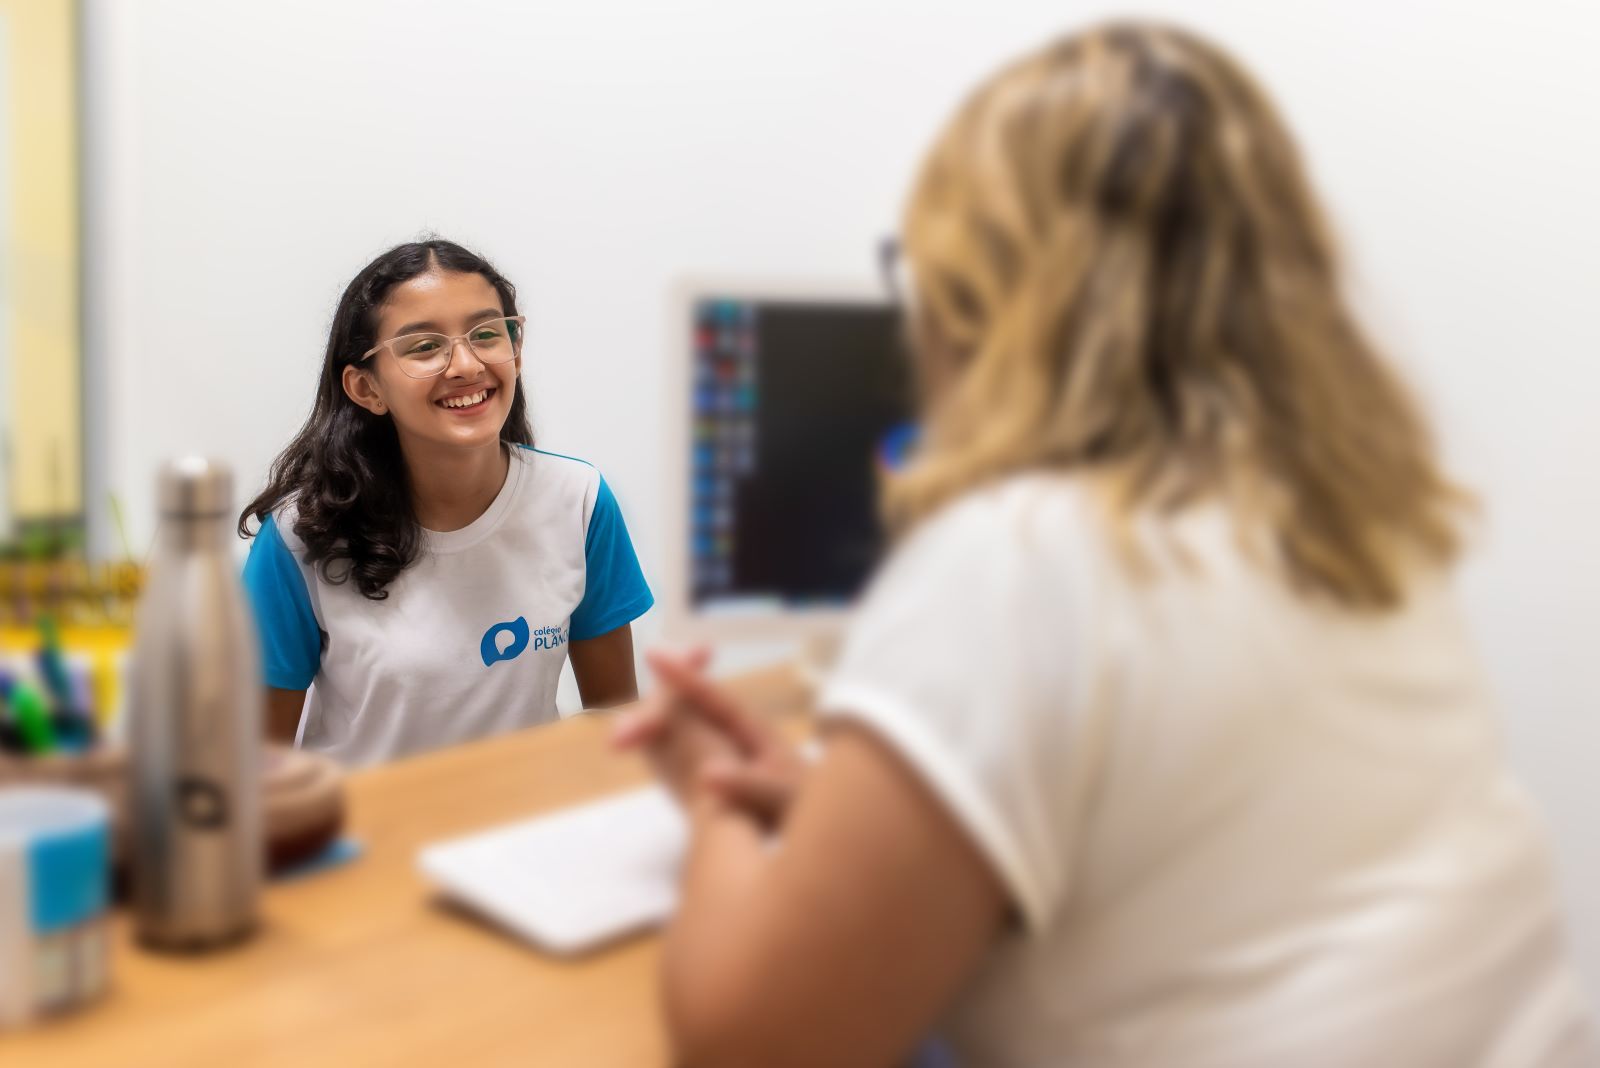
(429, 326)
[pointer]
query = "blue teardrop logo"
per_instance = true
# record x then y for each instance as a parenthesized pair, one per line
(492, 650)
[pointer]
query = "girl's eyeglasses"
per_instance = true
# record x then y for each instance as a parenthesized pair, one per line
(429, 355)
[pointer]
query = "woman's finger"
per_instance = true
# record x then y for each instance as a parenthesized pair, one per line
(642, 724)
(646, 721)
(750, 787)
(709, 699)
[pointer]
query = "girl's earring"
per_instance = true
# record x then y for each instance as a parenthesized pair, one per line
(380, 408)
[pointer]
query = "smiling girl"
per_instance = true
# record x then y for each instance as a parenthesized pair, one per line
(421, 572)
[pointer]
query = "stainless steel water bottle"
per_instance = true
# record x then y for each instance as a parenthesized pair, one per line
(195, 720)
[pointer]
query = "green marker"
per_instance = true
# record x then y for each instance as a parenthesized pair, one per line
(32, 717)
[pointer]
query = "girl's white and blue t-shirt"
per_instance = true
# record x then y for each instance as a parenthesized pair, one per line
(472, 637)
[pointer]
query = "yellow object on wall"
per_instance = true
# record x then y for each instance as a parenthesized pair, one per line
(40, 419)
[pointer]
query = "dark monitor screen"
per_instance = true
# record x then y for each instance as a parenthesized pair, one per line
(794, 402)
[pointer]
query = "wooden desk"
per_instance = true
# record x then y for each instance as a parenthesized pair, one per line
(361, 966)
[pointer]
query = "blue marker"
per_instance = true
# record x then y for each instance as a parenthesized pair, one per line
(51, 667)
(71, 723)
(10, 734)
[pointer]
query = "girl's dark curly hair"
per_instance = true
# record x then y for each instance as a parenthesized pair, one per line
(344, 469)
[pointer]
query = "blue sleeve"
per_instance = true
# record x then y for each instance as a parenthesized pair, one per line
(614, 590)
(291, 641)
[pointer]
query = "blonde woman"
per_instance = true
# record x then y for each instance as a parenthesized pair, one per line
(1159, 740)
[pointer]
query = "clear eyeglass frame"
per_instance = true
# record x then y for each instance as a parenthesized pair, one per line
(502, 344)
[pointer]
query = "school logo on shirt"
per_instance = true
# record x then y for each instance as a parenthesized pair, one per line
(506, 641)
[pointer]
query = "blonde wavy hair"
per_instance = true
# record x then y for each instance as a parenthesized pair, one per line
(1119, 269)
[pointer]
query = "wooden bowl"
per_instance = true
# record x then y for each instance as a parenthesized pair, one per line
(302, 795)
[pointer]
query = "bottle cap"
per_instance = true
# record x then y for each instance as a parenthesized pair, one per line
(196, 487)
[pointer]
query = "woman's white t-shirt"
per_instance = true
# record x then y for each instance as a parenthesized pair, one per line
(1240, 827)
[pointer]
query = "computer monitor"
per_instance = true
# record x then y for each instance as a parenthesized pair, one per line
(786, 402)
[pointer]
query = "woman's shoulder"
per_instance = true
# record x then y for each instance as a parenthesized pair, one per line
(1030, 510)
(1015, 539)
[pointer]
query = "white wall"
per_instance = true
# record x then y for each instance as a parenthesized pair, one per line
(251, 157)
